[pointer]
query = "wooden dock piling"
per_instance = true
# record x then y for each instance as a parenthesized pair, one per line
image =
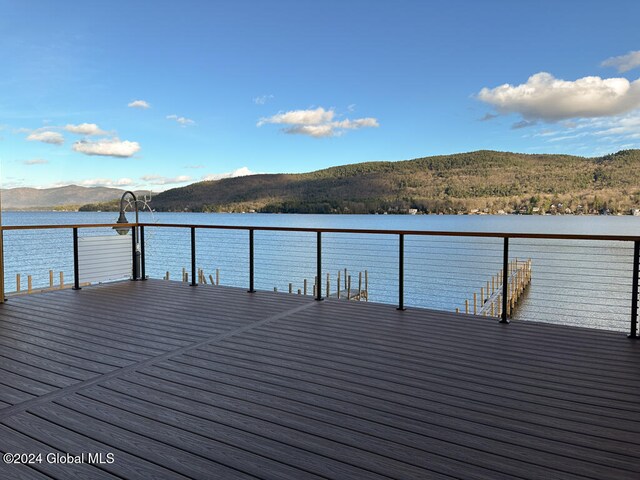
(490, 303)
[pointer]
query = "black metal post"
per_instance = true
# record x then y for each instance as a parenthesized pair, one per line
(193, 257)
(134, 254)
(76, 275)
(401, 273)
(505, 280)
(143, 272)
(319, 267)
(251, 289)
(634, 291)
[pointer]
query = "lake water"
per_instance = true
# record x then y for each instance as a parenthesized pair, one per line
(584, 283)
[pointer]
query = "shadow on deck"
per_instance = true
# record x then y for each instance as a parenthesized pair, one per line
(212, 382)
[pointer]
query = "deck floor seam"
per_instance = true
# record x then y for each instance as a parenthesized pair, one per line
(47, 397)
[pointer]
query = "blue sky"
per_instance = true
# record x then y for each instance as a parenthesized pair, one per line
(158, 94)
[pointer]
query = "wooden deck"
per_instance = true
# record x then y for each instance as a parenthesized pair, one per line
(215, 383)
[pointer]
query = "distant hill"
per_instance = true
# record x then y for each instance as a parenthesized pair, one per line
(462, 183)
(47, 198)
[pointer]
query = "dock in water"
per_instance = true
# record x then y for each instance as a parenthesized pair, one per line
(488, 302)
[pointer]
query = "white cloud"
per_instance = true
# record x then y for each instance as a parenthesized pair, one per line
(160, 180)
(523, 124)
(614, 132)
(240, 172)
(105, 182)
(545, 97)
(35, 161)
(139, 104)
(85, 129)
(46, 136)
(624, 63)
(300, 117)
(181, 120)
(112, 147)
(262, 99)
(316, 123)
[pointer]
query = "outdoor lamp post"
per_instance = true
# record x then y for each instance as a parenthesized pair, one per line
(122, 218)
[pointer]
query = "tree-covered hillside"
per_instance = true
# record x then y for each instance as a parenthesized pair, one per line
(461, 183)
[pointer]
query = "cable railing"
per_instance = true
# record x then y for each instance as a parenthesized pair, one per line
(577, 280)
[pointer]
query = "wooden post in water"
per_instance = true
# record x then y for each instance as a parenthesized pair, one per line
(475, 303)
(466, 306)
(328, 285)
(457, 310)
(366, 284)
(275, 289)
(299, 292)
(17, 282)
(305, 286)
(61, 279)
(338, 281)
(349, 287)
(184, 270)
(29, 284)
(211, 279)
(217, 276)
(359, 286)
(167, 277)
(50, 278)
(291, 288)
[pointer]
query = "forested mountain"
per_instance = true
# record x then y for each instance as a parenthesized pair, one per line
(462, 183)
(47, 198)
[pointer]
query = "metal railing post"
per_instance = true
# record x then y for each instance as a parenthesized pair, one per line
(76, 268)
(319, 266)
(134, 254)
(2, 297)
(251, 289)
(143, 272)
(634, 291)
(505, 280)
(193, 257)
(401, 273)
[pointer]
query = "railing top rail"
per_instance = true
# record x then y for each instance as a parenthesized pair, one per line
(80, 225)
(434, 233)
(443, 233)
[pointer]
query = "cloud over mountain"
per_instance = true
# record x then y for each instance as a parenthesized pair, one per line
(544, 97)
(316, 122)
(113, 147)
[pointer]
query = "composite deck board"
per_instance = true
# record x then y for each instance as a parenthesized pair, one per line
(49, 364)
(14, 441)
(209, 381)
(71, 319)
(446, 370)
(478, 443)
(330, 376)
(358, 354)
